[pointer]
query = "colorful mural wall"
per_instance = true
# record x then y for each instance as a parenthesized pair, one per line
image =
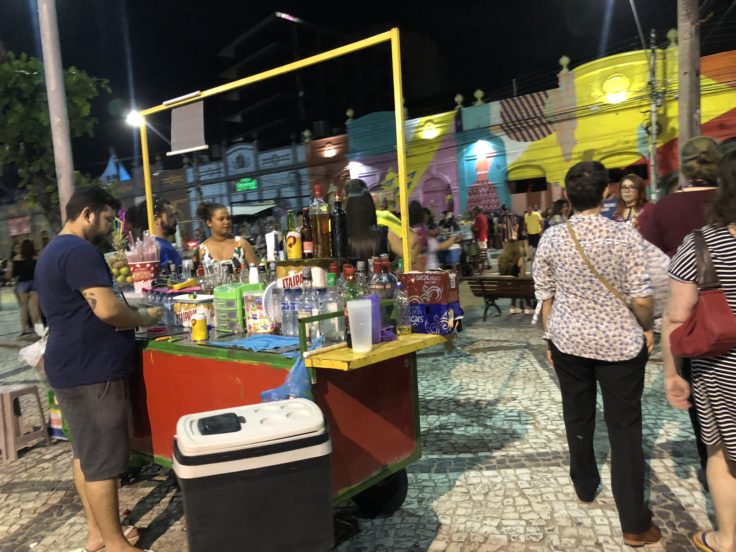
(431, 159)
(599, 111)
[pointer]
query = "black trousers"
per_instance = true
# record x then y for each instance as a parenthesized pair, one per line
(622, 384)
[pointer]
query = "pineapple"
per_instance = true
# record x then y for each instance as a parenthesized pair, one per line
(118, 261)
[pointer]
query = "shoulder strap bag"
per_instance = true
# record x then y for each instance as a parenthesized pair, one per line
(606, 284)
(711, 328)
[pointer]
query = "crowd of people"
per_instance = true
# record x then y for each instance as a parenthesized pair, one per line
(592, 278)
(593, 283)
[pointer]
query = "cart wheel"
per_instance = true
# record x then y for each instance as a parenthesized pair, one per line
(383, 498)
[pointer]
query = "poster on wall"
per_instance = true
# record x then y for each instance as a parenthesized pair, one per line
(19, 226)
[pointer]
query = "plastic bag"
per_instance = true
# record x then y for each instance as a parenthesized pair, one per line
(33, 356)
(298, 383)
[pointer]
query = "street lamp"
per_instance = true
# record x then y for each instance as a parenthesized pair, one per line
(135, 119)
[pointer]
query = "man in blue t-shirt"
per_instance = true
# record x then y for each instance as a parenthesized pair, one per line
(164, 226)
(88, 356)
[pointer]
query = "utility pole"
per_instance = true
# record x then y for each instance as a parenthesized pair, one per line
(688, 71)
(58, 117)
(653, 108)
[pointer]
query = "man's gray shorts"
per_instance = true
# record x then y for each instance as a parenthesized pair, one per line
(97, 416)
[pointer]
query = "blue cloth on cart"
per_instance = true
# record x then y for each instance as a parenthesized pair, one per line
(258, 343)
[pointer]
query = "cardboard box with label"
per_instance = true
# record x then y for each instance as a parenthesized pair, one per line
(436, 287)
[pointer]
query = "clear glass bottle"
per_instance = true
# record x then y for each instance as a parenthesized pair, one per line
(402, 311)
(333, 329)
(361, 278)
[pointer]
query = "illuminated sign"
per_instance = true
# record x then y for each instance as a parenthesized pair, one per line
(246, 184)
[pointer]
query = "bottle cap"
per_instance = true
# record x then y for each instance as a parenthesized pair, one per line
(361, 266)
(307, 272)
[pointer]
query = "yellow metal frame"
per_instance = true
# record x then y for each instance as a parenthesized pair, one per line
(391, 36)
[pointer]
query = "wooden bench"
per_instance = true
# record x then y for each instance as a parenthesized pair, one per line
(491, 288)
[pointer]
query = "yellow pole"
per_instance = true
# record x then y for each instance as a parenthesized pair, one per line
(147, 176)
(300, 64)
(400, 145)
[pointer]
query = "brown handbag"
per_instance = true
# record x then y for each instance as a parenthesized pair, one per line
(711, 328)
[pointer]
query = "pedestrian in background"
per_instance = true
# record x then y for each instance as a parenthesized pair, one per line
(679, 213)
(23, 267)
(633, 207)
(560, 212)
(713, 386)
(88, 357)
(164, 228)
(583, 272)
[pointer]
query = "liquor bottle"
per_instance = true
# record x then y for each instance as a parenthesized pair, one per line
(402, 311)
(351, 291)
(332, 329)
(361, 278)
(339, 229)
(293, 238)
(307, 235)
(319, 213)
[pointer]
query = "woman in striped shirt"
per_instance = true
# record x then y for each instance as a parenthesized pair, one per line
(713, 379)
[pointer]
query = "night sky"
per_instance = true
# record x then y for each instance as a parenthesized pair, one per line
(483, 44)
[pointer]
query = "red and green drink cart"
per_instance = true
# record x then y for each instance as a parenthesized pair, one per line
(369, 400)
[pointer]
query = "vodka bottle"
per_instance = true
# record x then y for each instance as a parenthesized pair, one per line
(402, 310)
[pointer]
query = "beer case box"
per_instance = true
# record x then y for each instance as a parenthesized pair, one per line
(435, 287)
(435, 319)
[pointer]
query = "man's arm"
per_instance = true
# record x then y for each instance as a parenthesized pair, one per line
(111, 310)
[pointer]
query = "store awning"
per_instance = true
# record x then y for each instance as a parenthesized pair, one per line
(251, 209)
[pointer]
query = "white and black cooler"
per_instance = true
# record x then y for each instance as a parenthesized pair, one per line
(256, 478)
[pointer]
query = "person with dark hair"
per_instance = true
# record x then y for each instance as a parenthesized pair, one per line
(222, 247)
(712, 378)
(383, 217)
(164, 227)
(560, 212)
(365, 237)
(88, 358)
(512, 263)
(584, 271)
(633, 206)
(22, 271)
(679, 213)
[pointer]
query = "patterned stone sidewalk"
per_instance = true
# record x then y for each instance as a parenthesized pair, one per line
(493, 474)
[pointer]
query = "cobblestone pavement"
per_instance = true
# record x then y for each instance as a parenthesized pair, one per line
(493, 473)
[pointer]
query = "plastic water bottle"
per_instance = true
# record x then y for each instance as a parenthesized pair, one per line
(167, 304)
(289, 315)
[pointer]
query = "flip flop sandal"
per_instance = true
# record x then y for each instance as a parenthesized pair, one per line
(700, 542)
(131, 534)
(127, 533)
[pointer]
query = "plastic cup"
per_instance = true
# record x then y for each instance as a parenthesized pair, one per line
(361, 325)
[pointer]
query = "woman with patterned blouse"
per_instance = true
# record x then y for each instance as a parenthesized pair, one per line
(594, 338)
(222, 247)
